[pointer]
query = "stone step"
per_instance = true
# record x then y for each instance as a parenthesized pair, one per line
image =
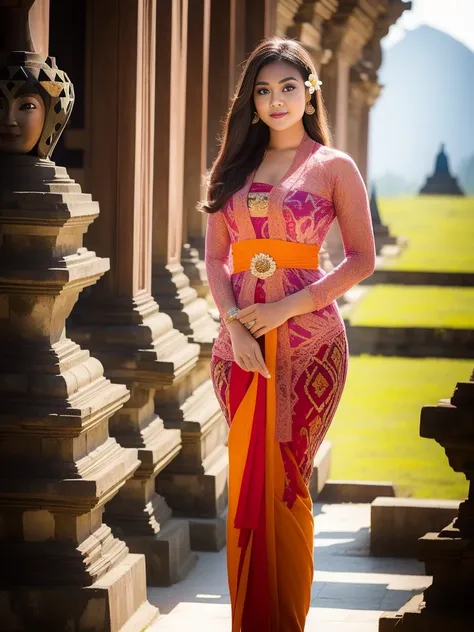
(397, 523)
(355, 491)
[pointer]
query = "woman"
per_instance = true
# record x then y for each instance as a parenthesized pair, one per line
(279, 362)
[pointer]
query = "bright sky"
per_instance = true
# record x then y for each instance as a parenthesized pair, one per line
(456, 18)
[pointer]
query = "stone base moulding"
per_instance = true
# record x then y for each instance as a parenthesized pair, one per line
(132, 338)
(208, 534)
(176, 297)
(168, 555)
(115, 603)
(195, 482)
(62, 566)
(195, 269)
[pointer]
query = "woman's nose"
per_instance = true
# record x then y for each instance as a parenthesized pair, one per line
(276, 102)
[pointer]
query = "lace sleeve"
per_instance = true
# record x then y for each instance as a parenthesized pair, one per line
(351, 204)
(217, 258)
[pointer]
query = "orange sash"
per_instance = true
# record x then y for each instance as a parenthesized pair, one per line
(288, 531)
(286, 254)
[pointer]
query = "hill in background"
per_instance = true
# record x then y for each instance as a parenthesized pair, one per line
(426, 100)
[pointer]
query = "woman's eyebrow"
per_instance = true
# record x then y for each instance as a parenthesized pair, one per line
(265, 83)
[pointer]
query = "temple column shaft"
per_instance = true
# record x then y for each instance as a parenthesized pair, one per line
(197, 87)
(260, 21)
(357, 131)
(171, 287)
(342, 102)
(363, 152)
(121, 320)
(195, 144)
(194, 484)
(227, 50)
(233, 29)
(346, 34)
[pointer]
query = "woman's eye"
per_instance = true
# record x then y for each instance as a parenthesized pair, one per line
(262, 91)
(28, 106)
(290, 88)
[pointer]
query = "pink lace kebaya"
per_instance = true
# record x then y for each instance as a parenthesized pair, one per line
(321, 184)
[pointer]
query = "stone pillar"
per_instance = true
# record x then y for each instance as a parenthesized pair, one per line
(365, 88)
(364, 91)
(245, 23)
(357, 129)
(381, 231)
(61, 566)
(260, 22)
(227, 50)
(171, 287)
(195, 483)
(121, 320)
(346, 35)
(447, 604)
(195, 148)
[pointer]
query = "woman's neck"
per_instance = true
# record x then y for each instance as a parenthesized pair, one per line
(287, 139)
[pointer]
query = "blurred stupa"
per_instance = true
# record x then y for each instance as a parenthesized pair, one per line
(382, 234)
(441, 182)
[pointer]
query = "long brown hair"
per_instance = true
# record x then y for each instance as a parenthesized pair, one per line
(243, 145)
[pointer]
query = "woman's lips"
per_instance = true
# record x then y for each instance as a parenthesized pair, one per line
(278, 114)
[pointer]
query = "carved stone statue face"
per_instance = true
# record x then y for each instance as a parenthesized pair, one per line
(36, 100)
(21, 122)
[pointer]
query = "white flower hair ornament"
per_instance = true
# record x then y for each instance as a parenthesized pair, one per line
(313, 83)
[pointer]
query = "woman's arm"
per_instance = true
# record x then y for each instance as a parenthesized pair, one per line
(247, 352)
(353, 213)
(217, 256)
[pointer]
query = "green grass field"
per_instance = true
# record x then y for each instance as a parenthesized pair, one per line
(439, 230)
(414, 306)
(375, 433)
(376, 430)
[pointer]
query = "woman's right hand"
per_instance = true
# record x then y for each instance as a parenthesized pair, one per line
(247, 351)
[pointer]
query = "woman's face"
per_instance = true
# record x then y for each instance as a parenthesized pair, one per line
(280, 95)
(21, 122)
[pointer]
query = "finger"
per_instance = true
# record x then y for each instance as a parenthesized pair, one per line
(249, 363)
(252, 362)
(243, 363)
(255, 327)
(245, 311)
(262, 367)
(246, 319)
(260, 332)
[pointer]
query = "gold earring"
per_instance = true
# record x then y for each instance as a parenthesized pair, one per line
(256, 118)
(309, 109)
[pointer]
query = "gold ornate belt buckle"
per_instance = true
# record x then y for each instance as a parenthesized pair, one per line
(262, 265)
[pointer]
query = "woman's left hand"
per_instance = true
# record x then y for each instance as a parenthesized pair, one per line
(263, 317)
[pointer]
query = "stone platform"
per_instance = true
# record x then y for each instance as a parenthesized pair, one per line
(350, 591)
(412, 342)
